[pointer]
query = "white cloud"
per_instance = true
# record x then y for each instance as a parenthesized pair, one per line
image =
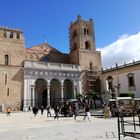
(125, 49)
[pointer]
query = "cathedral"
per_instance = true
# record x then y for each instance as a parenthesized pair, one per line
(42, 75)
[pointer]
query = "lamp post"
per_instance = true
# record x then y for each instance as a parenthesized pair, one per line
(118, 88)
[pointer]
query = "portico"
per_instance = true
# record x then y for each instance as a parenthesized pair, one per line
(48, 83)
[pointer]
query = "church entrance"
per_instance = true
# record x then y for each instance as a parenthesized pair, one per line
(41, 93)
(44, 98)
(55, 92)
(68, 89)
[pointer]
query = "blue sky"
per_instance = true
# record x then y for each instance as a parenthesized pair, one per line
(49, 20)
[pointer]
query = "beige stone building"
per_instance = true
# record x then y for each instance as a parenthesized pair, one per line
(42, 75)
(121, 79)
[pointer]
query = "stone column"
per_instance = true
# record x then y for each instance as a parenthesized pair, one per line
(106, 85)
(62, 90)
(48, 95)
(33, 95)
(74, 89)
(79, 86)
(25, 95)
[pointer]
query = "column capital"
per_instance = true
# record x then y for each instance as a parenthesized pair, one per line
(74, 83)
(48, 81)
(32, 86)
(48, 86)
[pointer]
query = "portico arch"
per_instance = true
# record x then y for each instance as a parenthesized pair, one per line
(41, 92)
(68, 89)
(55, 92)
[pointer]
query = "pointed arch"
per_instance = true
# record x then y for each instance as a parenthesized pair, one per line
(87, 45)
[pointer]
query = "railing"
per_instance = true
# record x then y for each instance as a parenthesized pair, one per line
(129, 119)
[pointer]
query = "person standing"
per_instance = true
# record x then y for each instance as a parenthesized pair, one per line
(106, 111)
(74, 112)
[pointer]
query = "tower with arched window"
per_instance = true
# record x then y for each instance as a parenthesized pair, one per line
(82, 45)
(83, 51)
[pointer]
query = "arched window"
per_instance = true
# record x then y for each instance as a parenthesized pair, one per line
(5, 79)
(131, 81)
(110, 83)
(18, 36)
(91, 65)
(87, 45)
(11, 35)
(85, 31)
(44, 59)
(6, 59)
(8, 92)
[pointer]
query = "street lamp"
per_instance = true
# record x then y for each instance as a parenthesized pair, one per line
(118, 88)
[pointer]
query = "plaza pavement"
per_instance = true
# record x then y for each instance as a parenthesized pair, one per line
(24, 126)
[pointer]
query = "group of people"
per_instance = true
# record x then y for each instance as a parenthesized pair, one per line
(67, 109)
(35, 110)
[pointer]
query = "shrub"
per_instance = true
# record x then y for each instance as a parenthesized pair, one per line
(127, 95)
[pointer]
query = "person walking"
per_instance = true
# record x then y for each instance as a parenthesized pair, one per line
(42, 110)
(8, 111)
(87, 114)
(48, 111)
(56, 111)
(35, 111)
(75, 110)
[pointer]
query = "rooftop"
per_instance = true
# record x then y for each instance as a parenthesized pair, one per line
(122, 66)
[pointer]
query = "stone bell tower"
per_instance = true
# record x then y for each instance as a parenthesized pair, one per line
(83, 52)
(12, 56)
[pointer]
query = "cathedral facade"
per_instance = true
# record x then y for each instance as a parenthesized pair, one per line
(42, 75)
